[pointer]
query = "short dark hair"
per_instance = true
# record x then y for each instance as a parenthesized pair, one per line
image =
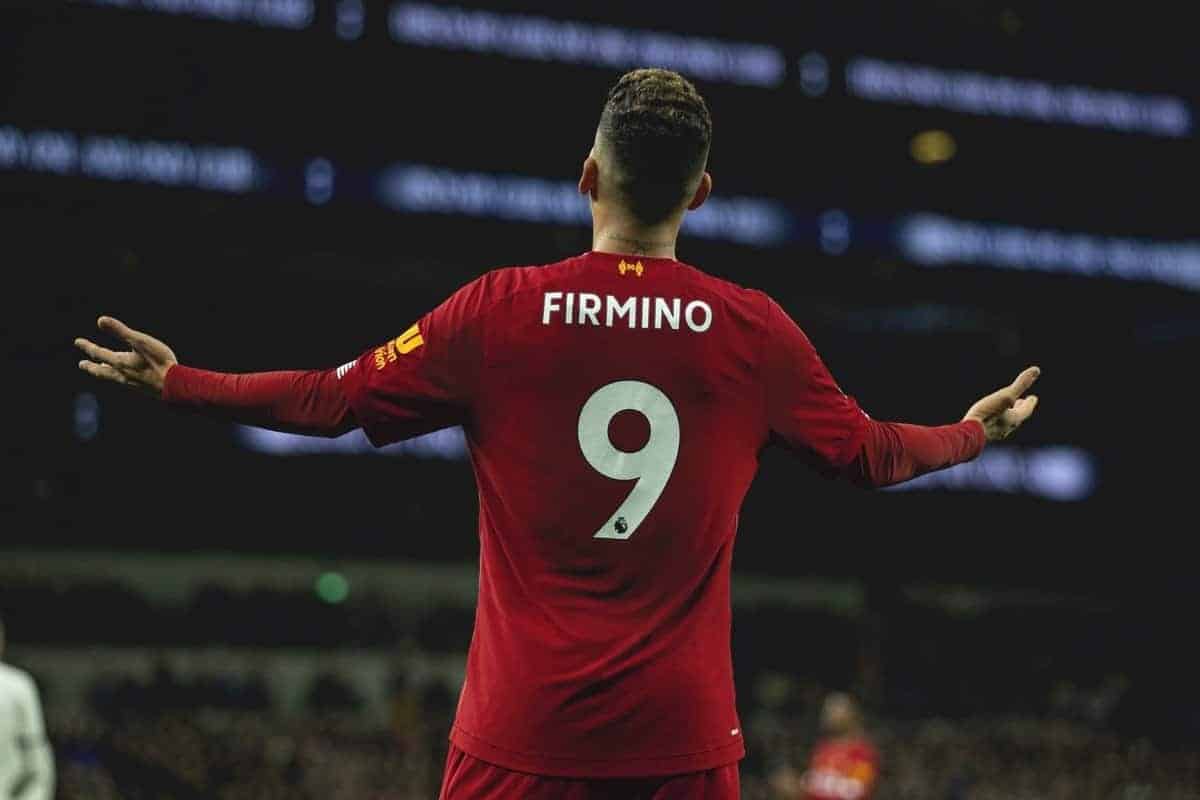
(658, 129)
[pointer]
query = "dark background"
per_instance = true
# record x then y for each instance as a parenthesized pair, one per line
(267, 280)
(271, 280)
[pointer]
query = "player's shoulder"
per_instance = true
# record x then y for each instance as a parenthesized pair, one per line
(696, 275)
(500, 282)
(753, 303)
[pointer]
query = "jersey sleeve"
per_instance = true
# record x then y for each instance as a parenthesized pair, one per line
(806, 410)
(425, 378)
(308, 402)
(894, 452)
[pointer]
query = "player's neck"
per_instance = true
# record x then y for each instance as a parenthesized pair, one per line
(656, 241)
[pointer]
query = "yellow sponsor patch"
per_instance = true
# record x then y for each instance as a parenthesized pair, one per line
(636, 267)
(409, 340)
(403, 344)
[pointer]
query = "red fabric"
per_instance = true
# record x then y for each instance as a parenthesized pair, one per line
(842, 769)
(605, 657)
(601, 645)
(810, 414)
(806, 409)
(296, 401)
(468, 778)
(893, 452)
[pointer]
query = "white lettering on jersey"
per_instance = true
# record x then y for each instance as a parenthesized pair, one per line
(628, 308)
(549, 305)
(585, 308)
(668, 312)
(589, 307)
(696, 326)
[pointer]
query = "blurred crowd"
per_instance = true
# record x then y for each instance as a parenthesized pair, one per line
(240, 755)
(216, 737)
(1005, 758)
(172, 741)
(191, 699)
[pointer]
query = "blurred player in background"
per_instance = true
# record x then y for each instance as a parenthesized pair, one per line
(615, 404)
(26, 763)
(844, 765)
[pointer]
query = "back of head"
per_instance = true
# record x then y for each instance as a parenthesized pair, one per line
(655, 132)
(1, 638)
(840, 715)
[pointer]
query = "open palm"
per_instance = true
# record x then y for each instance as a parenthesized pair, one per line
(144, 366)
(1003, 411)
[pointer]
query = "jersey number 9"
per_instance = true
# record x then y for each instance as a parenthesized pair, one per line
(651, 466)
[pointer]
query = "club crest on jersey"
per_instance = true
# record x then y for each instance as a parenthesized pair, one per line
(403, 344)
(636, 267)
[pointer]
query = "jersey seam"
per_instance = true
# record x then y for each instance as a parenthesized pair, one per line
(853, 444)
(511, 292)
(766, 399)
(481, 320)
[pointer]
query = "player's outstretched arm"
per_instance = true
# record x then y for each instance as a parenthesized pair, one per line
(894, 452)
(808, 411)
(296, 401)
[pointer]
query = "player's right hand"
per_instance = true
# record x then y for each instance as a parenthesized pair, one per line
(1003, 411)
(144, 366)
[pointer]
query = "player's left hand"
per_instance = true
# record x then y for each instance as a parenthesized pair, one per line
(144, 366)
(1003, 411)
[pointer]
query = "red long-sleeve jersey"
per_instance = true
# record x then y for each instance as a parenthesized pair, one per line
(615, 408)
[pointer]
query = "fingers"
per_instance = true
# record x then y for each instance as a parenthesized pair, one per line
(1023, 409)
(102, 371)
(1017, 407)
(1003, 411)
(998, 401)
(1025, 380)
(1010, 395)
(103, 355)
(122, 331)
(1015, 416)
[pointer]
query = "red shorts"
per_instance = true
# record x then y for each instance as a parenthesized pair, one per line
(468, 778)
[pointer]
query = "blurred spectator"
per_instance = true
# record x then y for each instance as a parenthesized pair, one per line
(844, 765)
(26, 763)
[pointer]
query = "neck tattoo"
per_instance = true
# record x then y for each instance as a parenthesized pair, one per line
(639, 246)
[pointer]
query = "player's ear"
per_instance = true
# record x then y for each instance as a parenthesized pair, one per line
(702, 192)
(589, 179)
